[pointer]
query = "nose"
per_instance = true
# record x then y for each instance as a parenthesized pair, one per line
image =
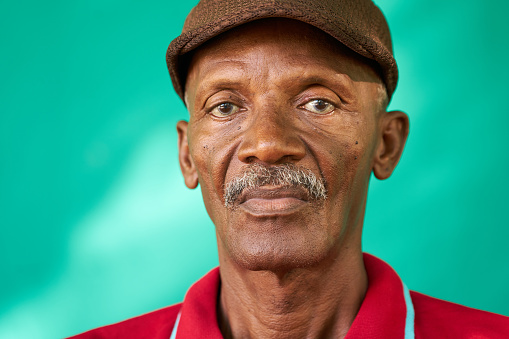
(271, 138)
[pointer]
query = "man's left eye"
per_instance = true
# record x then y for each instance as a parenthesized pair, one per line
(319, 106)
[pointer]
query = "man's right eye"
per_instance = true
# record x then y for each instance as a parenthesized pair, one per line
(224, 109)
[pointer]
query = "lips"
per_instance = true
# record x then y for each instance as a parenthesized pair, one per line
(270, 200)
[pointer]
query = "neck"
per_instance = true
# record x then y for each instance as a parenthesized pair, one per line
(318, 302)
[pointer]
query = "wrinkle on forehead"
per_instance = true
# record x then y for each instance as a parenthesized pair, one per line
(280, 34)
(225, 74)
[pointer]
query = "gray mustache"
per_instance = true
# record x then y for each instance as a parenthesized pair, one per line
(286, 175)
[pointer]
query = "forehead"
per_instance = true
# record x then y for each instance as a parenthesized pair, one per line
(254, 45)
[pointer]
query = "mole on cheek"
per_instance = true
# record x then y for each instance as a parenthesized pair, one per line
(356, 142)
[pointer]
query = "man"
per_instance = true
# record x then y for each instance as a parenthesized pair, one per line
(287, 103)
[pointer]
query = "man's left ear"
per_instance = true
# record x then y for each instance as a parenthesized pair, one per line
(394, 131)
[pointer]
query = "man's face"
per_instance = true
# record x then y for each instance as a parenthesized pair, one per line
(272, 93)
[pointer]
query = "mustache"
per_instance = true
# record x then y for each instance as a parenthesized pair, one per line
(286, 175)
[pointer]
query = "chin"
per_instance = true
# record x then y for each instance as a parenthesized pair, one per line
(279, 244)
(277, 252)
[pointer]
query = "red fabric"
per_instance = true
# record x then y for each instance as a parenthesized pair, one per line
(199, 318)
(383, 310)
(382, 314)
(435, 318)
(153, 325)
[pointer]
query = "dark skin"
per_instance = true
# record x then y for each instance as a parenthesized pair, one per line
(272, 92)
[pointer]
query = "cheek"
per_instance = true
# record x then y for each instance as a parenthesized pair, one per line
(202, 151)
(348, 162)
(211, 152)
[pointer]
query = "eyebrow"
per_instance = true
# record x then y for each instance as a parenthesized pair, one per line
(341, 84)
(222, 82)
(339, 79)
(206, 90)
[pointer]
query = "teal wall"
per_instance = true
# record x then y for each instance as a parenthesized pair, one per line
(96, 224)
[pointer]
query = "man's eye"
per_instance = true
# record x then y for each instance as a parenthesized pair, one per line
(224, 109)
(319, 106)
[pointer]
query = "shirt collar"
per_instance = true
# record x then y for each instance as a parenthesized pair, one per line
(386, 311)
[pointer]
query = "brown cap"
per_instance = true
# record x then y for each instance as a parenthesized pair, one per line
(358, 24)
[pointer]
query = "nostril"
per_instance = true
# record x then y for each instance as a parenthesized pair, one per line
(271, 148)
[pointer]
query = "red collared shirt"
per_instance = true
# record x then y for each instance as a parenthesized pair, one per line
(388, 310)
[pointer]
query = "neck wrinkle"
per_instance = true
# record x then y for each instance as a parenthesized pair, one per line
(319, 302)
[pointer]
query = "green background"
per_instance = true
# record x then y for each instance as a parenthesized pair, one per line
(97, 225)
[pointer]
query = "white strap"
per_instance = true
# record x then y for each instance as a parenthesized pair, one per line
(410, 314)
(174, 332)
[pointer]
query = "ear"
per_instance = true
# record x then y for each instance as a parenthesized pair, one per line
(186, 162)
(394, 131)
